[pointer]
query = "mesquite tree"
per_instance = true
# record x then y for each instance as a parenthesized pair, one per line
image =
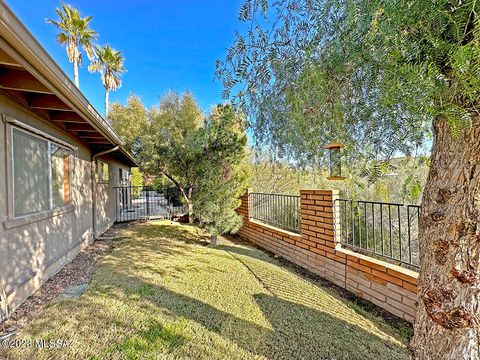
(380, 76)
(170, 145)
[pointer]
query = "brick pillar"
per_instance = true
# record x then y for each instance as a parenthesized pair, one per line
(318, 214)
(243, 211)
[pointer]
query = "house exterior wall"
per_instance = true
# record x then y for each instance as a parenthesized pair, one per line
(318, 249)
(105, 195)
(35, 248)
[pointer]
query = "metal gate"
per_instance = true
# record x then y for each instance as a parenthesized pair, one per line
(142, 202)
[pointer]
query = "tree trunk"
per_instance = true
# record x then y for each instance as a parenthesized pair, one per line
(75, 74)
(213, 240)
(190, 206)
(106, 103)
(446, 326)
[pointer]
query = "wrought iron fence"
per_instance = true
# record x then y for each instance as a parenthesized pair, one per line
(142, 202)
(282, 211)
(387, 230)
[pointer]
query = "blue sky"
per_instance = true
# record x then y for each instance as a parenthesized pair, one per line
(168, 44)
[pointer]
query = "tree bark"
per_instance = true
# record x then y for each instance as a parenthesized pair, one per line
(106, 103)
(213, 240)
(75, 74)
(190, 206)
(446, 325)
(186, 196)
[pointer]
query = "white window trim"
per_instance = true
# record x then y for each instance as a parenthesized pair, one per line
(15, 221)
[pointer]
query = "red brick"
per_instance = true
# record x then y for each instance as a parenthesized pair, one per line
(389, 278)
(318, 251)
(373, 265)
(308, 222)
(309, 243)
(335, 257)
(376, 279)
(357, 266)
(352, 258)
(300, 244)
(410, 287)
(311, 233)
(402, 276)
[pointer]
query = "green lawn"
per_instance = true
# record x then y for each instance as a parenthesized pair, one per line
(162, 294)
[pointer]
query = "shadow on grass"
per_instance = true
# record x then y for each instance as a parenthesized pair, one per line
(290, 328)
(364, 308)
(297, 331)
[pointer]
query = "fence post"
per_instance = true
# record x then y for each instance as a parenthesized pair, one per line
(318, 219)
(319, 216)
(243, 211)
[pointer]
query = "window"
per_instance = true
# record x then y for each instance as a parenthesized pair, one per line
(41, 174)
(102, 169)
(123, 177)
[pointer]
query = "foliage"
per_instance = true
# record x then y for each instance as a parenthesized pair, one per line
(129, 122)
(371, 74)
(171, 192)
(74, 32)
(394, 183)
(136, 178)
(224, 178)
(202, 158)
(109, 63)
(171, 145)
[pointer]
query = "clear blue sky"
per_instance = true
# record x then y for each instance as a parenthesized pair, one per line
(168, 44)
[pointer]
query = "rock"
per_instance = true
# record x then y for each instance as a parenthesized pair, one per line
(72, 292)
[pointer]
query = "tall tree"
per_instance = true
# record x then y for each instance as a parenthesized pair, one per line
(130, 122)
(379, 76)
(75, 33)
(171, 145)
(109, 63)
(223, 176)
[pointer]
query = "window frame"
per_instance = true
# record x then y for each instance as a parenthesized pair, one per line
(18, 220)
(101, 180)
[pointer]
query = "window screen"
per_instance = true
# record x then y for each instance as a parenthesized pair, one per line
(30, 174)
(41, 174)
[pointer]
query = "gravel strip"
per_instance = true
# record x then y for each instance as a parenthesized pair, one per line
(78, 271)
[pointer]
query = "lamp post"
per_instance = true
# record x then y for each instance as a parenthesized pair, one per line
(335, 152)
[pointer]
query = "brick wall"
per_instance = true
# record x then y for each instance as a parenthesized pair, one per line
(317, 248)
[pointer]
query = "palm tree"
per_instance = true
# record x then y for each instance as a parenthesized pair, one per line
(109, 63)
(74, 33)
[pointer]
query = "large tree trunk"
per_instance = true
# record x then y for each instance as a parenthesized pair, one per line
(75, 74)
(446, 326)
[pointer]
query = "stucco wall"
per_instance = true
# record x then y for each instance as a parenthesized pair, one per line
(31, 253)
(105, 196)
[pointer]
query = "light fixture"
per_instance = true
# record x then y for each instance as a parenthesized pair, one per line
(335, 152)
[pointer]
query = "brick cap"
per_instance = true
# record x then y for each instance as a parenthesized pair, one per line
(402, 270)
(320, 192)
(282, 231)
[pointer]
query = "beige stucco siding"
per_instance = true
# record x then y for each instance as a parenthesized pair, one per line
(105, 196)
(32, 252)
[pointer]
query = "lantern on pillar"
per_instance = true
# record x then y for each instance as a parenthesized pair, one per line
(335, 153)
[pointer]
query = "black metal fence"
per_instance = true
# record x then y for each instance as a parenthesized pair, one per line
(142, 202)
(387, 230)
(282, 211)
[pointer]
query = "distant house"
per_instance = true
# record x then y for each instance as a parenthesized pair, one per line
(59, 162)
